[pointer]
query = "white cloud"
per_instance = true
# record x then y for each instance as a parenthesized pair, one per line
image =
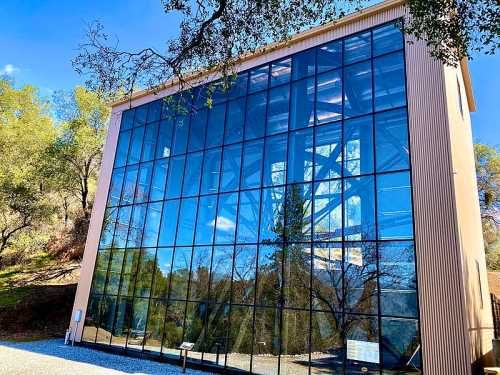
(224, 224)
(9, 70)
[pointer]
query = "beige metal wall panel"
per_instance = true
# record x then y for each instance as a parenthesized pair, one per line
(480, 322)
(443, 317)
(96, 219)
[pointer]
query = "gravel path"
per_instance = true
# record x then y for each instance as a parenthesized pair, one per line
(52, 357)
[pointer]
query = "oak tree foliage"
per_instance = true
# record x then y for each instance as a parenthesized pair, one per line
(213, 33)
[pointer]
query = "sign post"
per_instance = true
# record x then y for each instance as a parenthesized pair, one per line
(186, 346)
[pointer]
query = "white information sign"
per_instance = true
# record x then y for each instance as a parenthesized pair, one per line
(363, 351)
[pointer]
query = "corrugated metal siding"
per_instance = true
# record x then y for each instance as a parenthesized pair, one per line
(441, 293)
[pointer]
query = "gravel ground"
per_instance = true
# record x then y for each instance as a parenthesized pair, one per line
(52, 357)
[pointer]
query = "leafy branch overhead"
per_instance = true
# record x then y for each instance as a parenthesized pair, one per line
(213, 33)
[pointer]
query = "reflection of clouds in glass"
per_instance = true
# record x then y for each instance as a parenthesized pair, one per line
(224, 224)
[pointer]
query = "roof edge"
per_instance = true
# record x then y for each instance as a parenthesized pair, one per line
(203, 73)
(464, 67)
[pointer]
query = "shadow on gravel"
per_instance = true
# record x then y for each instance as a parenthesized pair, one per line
(56, 348)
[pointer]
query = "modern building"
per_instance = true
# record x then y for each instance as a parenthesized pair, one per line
(320, 217)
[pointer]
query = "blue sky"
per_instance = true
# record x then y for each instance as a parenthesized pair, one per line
(38, 39)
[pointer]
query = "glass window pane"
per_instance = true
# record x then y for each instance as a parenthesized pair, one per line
(143, 182)
(272, 214)
(398, 280)
(302, 104)
(357, 89)
(280, 71)
(136, 228)
(298, 213)
(327, 292)
(121, 322)
(219, 90)
(162, 272)
(149, 146)
(357, 48)
(327, 343)
(296, 288)
(391, 141)
(389, 81)
(206, 220)
(266, 342)
(300, 156)
(231, 167)
(101, 269)
(134, 155)
(245, 258)
(169, 105)
(358, 146)
(180, 139)
(330, 56)
(362, 331)
(169, 223)
(154, 334)
(187, 217)
(256, 115)
(248, 217)
(200, 273)
(328, 211)
(238, 86)
(174, 322)
(270, 275)
(92, 318)
(386, 39)
(235, 121)
(197, 130)
(216, 332)
(277, 110)
(394, 207)
(401, 351)
(328, 155)
(115, 187)
(108, 308)
(180, 273)
(192, 174)
(127, 119)
(211, 171)
(129, 272)
(295, 342)
(360, 277)
(220, 279)
(252, 164)
(258, 78)
(145, 273)
(128, 190)
(239, 348)
(175, 174)
(108, 228)
(159, 180)
(122, 225)
(194, 329)
(303, 64)
(215, 127)
(226, 218)
(163, 149)
(359, 209)
(329, 97)
(122, 149)
(152, 226)
(275, 161)
(154, 111)
(140, 115)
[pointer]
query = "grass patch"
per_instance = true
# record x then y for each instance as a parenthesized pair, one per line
(11, 297)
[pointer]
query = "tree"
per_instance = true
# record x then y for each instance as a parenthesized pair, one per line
(214, 32)
(26, 131)
(77, 150)
(488, 184)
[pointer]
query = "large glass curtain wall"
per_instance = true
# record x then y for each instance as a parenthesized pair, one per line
(273, 229)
